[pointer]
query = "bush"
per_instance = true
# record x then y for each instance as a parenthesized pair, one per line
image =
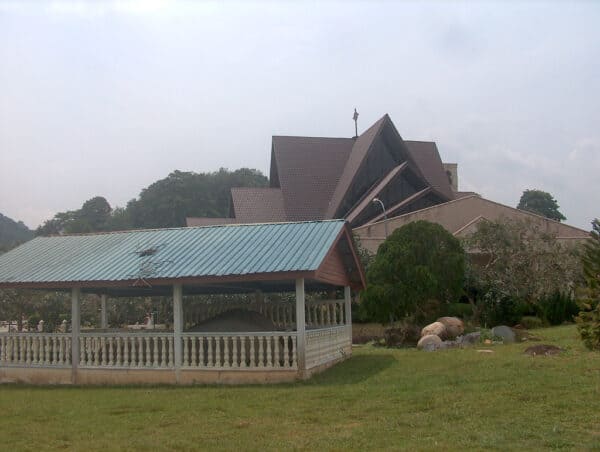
(588, 320)
(499, 309)
(461, 310)
(418, 262)
(557, 308)
(531, 322)
(588, 324)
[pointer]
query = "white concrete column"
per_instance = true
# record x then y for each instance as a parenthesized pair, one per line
(300, 324)
(348, 313)
(347, 307)
(177, 325)
(103, 313)
(75, 329)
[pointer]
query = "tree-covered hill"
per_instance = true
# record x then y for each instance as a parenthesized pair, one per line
(165, 203)
(12, 233)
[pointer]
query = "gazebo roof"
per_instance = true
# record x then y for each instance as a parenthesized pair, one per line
(208, 259)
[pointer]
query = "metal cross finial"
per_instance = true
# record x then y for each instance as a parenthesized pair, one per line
(355, 117)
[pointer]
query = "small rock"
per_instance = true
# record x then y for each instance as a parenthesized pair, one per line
(543, 349)
(435, 328)
(454, 326)
(430, 342)
(504, 332)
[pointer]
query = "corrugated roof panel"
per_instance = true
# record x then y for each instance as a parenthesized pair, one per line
(177, 253)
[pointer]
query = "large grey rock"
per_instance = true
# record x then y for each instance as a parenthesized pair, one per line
(470, 338)
(505, 332)
(454, 326)
(430, 342)
(435, 328)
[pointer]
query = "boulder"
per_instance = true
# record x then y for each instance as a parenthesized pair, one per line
(471, 338)
(430, 342)
(454, 326)
(436, 328)
(506, 333)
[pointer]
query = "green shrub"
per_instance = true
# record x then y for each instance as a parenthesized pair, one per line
(557, 308)
(496, 308)
(461, 310)
(531, 322)
(588, 324)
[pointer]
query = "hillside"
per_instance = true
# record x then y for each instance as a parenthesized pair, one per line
(12, 233)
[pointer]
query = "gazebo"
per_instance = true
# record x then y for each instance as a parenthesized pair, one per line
(257, 259)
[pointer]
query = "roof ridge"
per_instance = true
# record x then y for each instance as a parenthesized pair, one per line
(126, 231)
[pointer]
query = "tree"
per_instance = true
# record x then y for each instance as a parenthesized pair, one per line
(167, 202)
(542, 203)
(588, 321)
(418, 262)
(515, 264)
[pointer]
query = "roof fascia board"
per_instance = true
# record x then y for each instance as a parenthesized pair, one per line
(129, 283)
(345, 233)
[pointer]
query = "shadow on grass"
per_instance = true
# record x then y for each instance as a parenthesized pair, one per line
(355, 370)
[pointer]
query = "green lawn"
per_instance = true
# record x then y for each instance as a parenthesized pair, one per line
(381, 399)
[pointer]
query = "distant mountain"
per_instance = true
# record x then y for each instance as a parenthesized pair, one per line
(12, 233)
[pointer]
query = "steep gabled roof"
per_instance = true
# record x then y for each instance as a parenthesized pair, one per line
(427, 158)
(360, 149)
(308, 170)
(258, 205)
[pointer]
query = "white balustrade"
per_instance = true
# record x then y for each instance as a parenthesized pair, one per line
(324, 313)
(35, 349)
(266, 350)
(129, 350)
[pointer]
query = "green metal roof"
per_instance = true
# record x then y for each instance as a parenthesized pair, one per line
(171, 253)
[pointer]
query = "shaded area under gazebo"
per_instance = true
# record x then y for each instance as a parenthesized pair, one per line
(289, 340)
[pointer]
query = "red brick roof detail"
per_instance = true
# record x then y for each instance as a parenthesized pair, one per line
(258, 205)
(308, 170)
(426, 156)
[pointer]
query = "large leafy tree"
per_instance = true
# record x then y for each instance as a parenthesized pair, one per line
(418, 262)
(518, 260)
(589, 318)
(94, 215)
(167, 202)
(542, 203)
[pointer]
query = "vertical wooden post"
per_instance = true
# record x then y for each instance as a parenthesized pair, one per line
(300, 325)
(75, 329)
(103, 313)
(177, 327)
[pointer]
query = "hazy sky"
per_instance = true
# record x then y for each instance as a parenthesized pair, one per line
(104, 98)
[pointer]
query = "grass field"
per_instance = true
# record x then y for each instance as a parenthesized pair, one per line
(381, 399)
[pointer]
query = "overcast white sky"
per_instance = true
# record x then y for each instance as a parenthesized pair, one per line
(104, 98)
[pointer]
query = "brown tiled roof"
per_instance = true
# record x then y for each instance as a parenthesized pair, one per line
(206, 221)
(427, 158)
(360, 148)
(258, 205)
(308, 170)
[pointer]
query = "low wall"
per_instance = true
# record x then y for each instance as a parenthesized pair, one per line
(147, 358)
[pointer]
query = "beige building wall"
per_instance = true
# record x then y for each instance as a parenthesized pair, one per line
(460, 217)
